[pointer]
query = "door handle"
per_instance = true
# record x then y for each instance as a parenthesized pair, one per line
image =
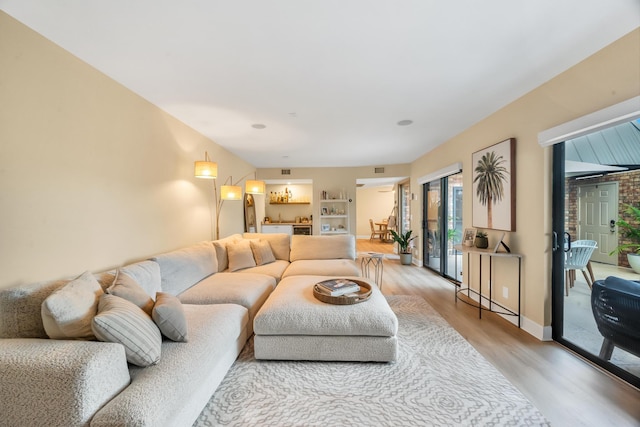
(612, 225)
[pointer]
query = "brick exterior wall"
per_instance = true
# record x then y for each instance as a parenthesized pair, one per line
(628, 193)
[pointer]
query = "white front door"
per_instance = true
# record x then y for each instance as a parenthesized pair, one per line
(597, 216)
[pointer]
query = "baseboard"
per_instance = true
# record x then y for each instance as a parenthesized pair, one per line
(543, 333)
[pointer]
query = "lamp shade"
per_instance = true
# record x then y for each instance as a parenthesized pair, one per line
(231, 192)
(206, 169)
(253, 186)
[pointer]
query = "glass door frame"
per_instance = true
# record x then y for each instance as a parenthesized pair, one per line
(557, 270)
(442, 238)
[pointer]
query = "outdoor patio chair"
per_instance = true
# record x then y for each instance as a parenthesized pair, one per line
(577, 258)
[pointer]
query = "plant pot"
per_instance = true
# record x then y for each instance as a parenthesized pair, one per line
(634, 262)
(481, 242)
(405, 259)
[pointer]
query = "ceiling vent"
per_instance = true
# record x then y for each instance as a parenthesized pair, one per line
(378, 170)
(286, 172)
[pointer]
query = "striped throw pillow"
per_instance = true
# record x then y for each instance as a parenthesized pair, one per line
(121, 321)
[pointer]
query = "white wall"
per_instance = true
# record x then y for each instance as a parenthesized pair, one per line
(372, 203)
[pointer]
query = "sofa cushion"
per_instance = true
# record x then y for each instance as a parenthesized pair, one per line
(126, 287)
(121, 321)
(67, 312)
(146, 274)
(220, 246)
(321, 267)
(273, 269)
(168, 315)
(21, 306)
(323, 247)
(249, 290)
(262, 252)
(182, 268)
(280, 243)
(240, 255)
(174, 391)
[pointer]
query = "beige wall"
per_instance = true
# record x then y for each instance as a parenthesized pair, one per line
(608, 77)
(91, 175)
(372, 204)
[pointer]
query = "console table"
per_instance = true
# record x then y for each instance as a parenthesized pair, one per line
(493, 306)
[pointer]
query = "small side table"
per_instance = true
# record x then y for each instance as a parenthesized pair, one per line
(372, 259)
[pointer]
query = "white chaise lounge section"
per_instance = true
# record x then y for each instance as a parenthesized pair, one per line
(293, 325)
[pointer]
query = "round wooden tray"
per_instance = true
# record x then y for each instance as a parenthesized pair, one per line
(353, 298)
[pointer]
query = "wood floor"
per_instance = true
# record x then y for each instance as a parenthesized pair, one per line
(568, 390)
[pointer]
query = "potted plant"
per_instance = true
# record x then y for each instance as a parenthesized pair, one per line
(631, 230)
(403, 241)
(481, 241)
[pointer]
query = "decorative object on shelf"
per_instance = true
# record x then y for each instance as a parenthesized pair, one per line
(229, 190)
(630, 229)
(481, 241)
(469, 236)
(501, 242)
(494, 186)
(404, 242)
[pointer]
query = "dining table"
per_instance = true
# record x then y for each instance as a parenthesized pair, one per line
(382, 228)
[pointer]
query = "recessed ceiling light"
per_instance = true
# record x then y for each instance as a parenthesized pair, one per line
(258, 126)
(405, 122)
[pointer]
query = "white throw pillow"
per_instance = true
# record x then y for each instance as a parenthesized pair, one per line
(121, 321)
(126, 287)
(169, 316)
(67, 312)
(262, 252)
(240, 255)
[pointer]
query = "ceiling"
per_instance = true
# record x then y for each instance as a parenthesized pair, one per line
(329, 79)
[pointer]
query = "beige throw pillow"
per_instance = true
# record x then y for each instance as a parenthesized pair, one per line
(125, 287)
(121, 321)
(169, 317)
(240, 255)
(67, 312)
(262, 252)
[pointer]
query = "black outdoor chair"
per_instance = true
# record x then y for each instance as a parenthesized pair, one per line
(616, 308)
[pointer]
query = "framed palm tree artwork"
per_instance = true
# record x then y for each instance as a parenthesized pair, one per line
(494, 186)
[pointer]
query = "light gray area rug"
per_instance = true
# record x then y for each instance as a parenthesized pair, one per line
(439, 379)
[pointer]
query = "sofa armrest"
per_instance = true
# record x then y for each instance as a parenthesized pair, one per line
(58, 382)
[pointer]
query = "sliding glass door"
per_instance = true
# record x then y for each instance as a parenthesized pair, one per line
(587, 203)
(442, 225)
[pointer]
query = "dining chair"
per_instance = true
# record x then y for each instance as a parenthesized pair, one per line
(376, 233)
(577, 258)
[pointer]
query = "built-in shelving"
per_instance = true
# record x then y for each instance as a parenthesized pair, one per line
(334, 216)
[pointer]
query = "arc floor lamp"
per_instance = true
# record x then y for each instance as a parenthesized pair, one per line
(206, 169)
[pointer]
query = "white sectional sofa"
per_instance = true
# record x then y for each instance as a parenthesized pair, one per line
(64, 382)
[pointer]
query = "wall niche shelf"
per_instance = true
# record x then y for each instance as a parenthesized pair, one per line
(289, 203)
(334, 216)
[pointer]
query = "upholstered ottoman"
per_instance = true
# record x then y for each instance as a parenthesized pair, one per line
(293, 325)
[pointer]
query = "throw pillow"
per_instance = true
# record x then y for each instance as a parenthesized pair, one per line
(262, 252)
(121, 321)
(67, 312)
(146, 274)
(169, 316)
(240, 255)
(125, 287)
(221, 250)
